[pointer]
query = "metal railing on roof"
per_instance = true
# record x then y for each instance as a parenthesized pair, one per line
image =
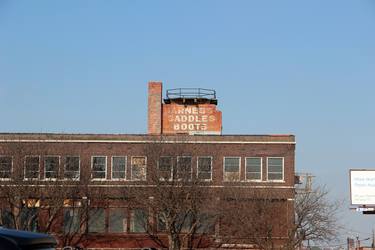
(191, 93)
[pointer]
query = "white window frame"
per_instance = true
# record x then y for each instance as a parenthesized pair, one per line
(211, 158)
(283, 169)
(239, 169)
(44, 167)
(131, 167)
(79, 168)
(172, 168)
(24, 168)
(126, 167)
(261, 169)
(11, 168)
(191, 166)
(92, 166)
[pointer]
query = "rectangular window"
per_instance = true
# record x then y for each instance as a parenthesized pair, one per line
(98, 167)
(32, 167)
(5, 167)
(184, 170)
(7, 218)
(71, 167)
(165, 168)
(51, 167)
(117, 220)
(72, 220)
(138, 221)
(29, 218)
(275, 168)
(204, 168)
(96, 223)
(254, 168)
(232, 168)
(138, 168)
(118, 167)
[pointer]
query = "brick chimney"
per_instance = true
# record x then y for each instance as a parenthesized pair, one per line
(154, 107)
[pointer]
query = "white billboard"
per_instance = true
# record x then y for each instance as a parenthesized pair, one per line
(362, 186)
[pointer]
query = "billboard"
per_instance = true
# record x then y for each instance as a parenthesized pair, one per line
(362, 186)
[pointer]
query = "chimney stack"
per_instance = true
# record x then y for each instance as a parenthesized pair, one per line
(154, 107)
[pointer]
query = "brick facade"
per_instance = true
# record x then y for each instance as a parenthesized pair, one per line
(231, 166)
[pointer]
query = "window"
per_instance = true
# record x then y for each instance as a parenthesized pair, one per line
(118, 167)
(72, 220)
(138, 168)
(206, 224)
(96, 223)
(98, 167)
(5, 167)
(184, 170)
(232, 168)
(165, 168)
(7, 218)
(71, 168)
(51, 167)
(253, 168)
(117, 220)
(138, 221)
(275, 168)
(204, 168)
(29, 218)
(32, 167)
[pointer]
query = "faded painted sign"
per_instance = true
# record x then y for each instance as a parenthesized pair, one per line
(203, 118)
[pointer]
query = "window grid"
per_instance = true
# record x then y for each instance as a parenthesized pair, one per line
(138, 168)
(6, 166)
(275, 171)
(118, 167)
(32, 167)
(72, 167)
(98, 167)
(165, 168)
(253, 168)
(51, 174)
(184, 167)
(231, 175)
(202, 173)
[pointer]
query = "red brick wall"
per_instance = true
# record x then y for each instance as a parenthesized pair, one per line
(154, 107)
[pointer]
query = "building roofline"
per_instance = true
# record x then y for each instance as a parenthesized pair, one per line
(144, 138)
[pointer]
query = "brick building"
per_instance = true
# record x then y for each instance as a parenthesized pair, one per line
(47, 178)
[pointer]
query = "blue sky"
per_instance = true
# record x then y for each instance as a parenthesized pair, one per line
(300, 67)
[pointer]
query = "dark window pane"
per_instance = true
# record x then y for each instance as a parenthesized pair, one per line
(71, 168)
(32, 167)
(184, 167)
(117, 220)
(51, 165)
(29, 219)
(99, 167)
(7, 218)
(96, 220)
(138, 222)
(5, 164)
(204, 164)
(72, 220)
